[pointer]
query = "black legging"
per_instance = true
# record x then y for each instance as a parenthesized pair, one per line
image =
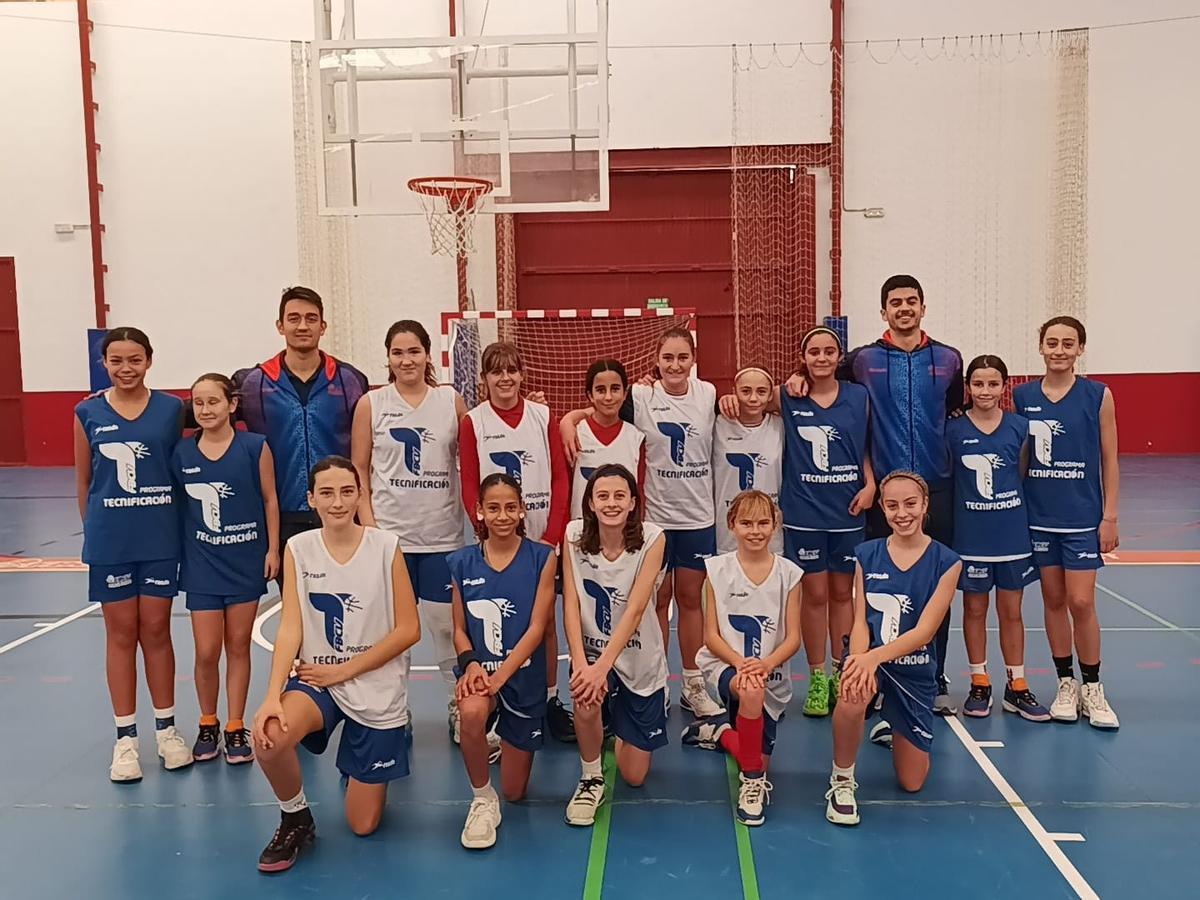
(940, 527)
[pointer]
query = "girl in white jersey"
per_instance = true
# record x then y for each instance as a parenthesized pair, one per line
(611, 566)
(676, 413)
(603, 436)
(404, 443)
(751, 630)
(348, 620)
(747, 452)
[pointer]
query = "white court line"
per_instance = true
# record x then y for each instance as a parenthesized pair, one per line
(259, 639)
(1137, 606)
(1045, 839)
(46, 629)
(1067, 837)
(990, 745)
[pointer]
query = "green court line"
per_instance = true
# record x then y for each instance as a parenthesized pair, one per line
(593, 882)
(742, 833)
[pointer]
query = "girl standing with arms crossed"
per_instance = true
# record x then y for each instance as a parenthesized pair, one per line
(988, 447)
(404, 443)
(503, 590)
(1073, 488)
(618, 665)
(230, 550)
(124, 438)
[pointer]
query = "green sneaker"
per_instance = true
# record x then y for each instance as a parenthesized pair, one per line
(835, 683)
(816, 704)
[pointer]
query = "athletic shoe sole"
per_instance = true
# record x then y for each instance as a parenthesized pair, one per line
(1071, 719)
(1013, 708)
(982, 713)
(125, 780)
(751, 823)
(174, 768)
(844, 821)
(1102, 727)
(238, 760)
(584, 823)
(285, 864)
(816, 713)
(205, 757)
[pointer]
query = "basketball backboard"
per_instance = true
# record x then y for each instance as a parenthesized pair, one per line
(512, 91)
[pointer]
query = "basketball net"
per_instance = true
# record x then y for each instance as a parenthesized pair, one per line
(451, 204)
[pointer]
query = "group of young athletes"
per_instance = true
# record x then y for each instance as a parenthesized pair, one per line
(839, 512)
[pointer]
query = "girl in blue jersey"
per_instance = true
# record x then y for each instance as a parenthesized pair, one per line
(828, 484)
(675, 411)
(903, 587)
(989, 452)
(1073, 490)
(230, 551)
(124, 438)
(404, 442)
(503, 591)
(341, 658)
(611, 566)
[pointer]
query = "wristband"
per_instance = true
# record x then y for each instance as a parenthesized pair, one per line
(465, 659)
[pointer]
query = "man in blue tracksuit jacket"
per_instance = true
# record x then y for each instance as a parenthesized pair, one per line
(303, 402)
(915, 383)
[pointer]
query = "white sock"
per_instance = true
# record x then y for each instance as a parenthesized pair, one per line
(591, 769)
(846, 774)
(692, 675)
(125, 721)
(487, 791)
(978, 669)
(1015, 672)
(817, 667)
(296, 804)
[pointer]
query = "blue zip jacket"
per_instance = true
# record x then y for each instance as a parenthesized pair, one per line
(912, 394)
(300, 435)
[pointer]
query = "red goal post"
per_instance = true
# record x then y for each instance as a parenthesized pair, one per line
(556, 345)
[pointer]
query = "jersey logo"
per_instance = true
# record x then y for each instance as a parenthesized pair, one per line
(1043, 432)
(677, 433)
(125, 454)
(752, 629)
(210, 494)
(818, 437)
(603, 597)
(984, 465)
(745, 463)
(586, 472)
(492, 612)
(412, 439)
(891, 607)
(333, 607)
(512, 462)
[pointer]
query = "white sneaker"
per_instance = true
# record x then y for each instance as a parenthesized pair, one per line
(494, 749)
(125, 766)
(172, 748)
(753, 795)
(483, 818)
(695, 699)
(453, 721)
(1065, 707)
(841, 808)
(588, 797)
(1093, 705)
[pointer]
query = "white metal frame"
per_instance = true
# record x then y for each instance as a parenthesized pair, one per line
(458, 76)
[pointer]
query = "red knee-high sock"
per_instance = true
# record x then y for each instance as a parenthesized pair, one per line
(750, 737)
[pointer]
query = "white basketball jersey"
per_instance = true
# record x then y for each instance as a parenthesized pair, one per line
(603, 587)
(752, 618)
(522, 452)
(414, 469)
(678, 432)
(345, 611)
(625, 450)
(745, 458)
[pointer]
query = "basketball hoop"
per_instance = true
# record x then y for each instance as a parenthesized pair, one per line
(450, 203)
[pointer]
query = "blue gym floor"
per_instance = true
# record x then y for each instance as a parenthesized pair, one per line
(1012, 809)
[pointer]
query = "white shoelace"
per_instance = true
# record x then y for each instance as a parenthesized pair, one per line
(842, 792)
(756, 791)
(1065, 690)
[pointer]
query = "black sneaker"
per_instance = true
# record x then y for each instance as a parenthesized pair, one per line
(208, 743)
(561, 721)
(295, 832)
(979, 701)
(238, 748)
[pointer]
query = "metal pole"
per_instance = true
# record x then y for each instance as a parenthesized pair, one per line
(837, 89)
(92, 150)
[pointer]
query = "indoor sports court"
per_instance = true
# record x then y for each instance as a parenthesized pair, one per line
(575, 177)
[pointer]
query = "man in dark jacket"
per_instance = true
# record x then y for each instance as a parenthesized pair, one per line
(303, 402)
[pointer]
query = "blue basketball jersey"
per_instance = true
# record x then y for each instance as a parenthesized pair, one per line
(132, 515)
(896, 599)
(498, 607)
(1063, 486)
(224, 520)
(991, 522)
(823, 456)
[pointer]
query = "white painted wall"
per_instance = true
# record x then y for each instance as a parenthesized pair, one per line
(196, 122)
